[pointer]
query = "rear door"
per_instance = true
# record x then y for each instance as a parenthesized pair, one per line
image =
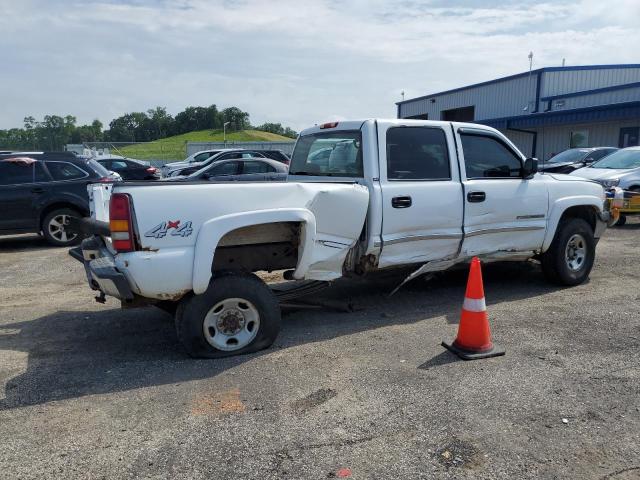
(503, 211)
(421, 193)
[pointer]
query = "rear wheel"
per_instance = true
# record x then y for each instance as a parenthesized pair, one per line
(237, 314)
(571, 255)
(55, 227)
(621, 221)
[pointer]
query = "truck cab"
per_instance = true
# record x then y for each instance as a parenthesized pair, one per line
(442, 191)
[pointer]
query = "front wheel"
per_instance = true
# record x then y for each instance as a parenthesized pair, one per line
(237, 314)
(571, 255)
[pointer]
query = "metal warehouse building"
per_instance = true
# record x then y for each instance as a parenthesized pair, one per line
(547, 110)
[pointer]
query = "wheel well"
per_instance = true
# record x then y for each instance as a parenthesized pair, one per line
(55, 206)
(635, 188)
(262, 247)
(588, 214)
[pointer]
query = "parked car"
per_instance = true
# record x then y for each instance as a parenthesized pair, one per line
(40, 192)
(224, 155)
(129, 169)
(575, 158)
(394, 193)
(278, 155)
(250, 169)
(197, 157)
(620, 169)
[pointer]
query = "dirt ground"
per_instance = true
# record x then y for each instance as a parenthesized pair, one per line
(91, 391)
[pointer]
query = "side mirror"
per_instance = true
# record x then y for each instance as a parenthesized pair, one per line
(589, 161)
(530, 168)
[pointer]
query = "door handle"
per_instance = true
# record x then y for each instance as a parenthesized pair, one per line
(37, 190)
(401, 202)
(476, 197)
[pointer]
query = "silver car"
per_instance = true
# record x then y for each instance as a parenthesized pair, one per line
(620, 169)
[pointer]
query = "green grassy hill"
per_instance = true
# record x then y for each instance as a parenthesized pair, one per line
(175, 148)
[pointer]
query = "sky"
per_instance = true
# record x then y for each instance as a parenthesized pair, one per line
(294, 62)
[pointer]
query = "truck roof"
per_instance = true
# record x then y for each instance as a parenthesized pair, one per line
(357, 124)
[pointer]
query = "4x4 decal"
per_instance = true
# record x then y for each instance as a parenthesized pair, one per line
(177, 230)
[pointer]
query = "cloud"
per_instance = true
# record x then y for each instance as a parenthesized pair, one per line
(295, 62)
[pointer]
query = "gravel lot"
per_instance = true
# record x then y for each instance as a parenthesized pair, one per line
(91, 391)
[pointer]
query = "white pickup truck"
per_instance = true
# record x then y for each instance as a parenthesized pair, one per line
(361, 195)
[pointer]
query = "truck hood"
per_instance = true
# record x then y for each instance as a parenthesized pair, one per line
(553, 166)
(173, 165)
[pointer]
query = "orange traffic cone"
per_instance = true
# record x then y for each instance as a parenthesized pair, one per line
(474, 336)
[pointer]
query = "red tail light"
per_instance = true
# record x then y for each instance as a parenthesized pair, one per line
(106, 180)
(329, 125)
(152, 170)
(121, 222)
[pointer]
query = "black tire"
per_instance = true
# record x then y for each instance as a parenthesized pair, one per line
(556, 262)
(56, 236)
(621, 221)
(255, 297)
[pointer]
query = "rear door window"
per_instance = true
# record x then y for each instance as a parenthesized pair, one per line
(334, 154)
(487, 157)
(417, 153)
(65, 171)
(226, 168)
(39, 174)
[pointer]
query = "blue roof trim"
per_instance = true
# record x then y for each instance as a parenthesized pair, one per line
(524, 74)
(593, 91)
(592, 67)
(614, 111)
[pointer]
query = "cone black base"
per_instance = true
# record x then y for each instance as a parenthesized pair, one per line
(495, 351)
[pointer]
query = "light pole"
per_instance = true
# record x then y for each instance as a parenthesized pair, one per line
(224, 132)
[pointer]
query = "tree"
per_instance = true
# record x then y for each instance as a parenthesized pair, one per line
(238, 119)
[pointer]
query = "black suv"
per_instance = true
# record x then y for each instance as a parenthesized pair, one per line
(40, 192)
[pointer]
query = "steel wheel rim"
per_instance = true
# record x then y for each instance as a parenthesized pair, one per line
(576, 252)
(57, 230)
(231, 324)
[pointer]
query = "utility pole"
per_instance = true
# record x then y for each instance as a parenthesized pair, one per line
(530, 57)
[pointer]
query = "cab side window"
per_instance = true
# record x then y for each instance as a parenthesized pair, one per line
(487, 157)
(417, 153)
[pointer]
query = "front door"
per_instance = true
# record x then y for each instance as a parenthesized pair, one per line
(18, 190)
(503, 211)
(421, 193)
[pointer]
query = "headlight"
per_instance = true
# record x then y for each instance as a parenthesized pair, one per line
(610, 183)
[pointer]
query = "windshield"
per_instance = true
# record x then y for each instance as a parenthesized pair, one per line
(332, 154)
(620, 159)
(573, 155)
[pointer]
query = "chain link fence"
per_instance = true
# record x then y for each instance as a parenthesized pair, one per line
(154, 152)
(159, 153)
